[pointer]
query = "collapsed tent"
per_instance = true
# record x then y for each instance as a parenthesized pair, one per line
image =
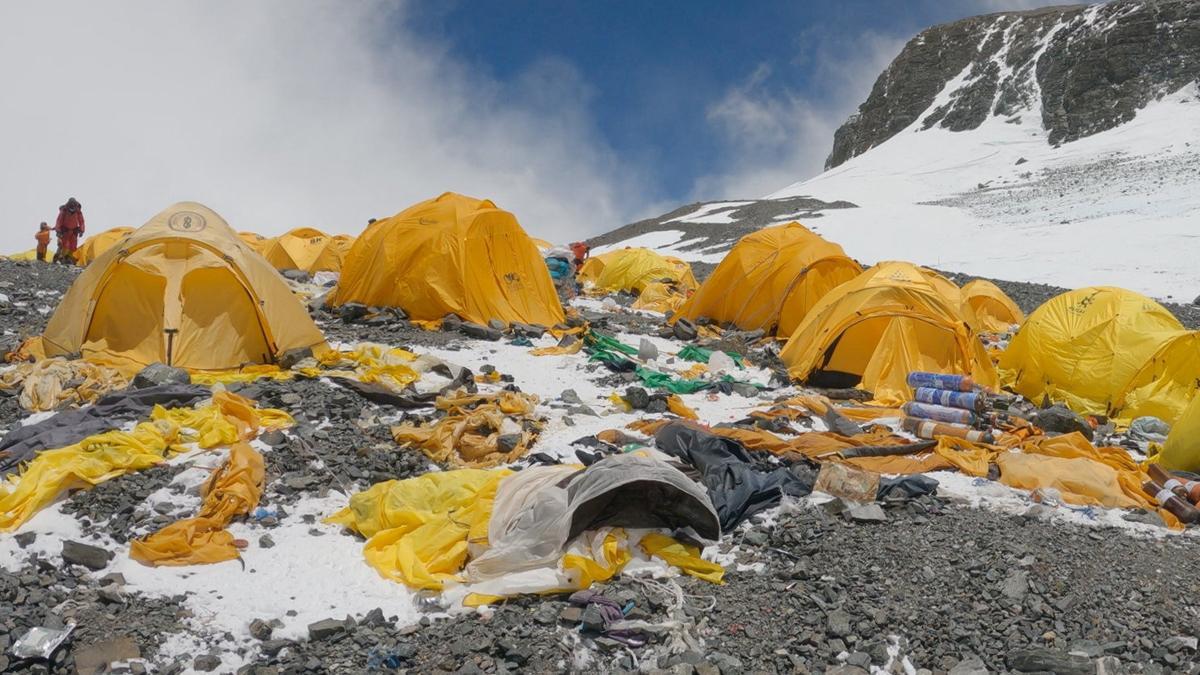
(1105, 351)
(546, 528)
(872, 331)
(26, 256)
(996, 311)
(771, 279)
(451, 254)
(183, 290)
(96, 244)
(632, 269)
(308, 250)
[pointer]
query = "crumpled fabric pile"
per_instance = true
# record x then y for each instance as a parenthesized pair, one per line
(476, 430)
(50, 384)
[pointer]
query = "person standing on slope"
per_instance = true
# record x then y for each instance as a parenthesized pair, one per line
(69, 228)
(43, 241)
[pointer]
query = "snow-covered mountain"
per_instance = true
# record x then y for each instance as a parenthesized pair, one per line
(1060, 145)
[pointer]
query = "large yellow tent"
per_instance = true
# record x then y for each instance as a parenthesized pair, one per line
(182, 289)
(450, 254)
(256, 241)
(1181, 452)
(632, 269)
(995, 310)
(771, 279)
(96, 244)
(297, 249)
(1105, 351)
(873, 330)
(333, 255)
(29, 255)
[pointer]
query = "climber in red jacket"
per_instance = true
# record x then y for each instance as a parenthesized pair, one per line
(69, 229)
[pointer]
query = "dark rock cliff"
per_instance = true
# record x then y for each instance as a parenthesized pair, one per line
(1086, 69)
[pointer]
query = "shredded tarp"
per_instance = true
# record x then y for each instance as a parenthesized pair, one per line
(558, 350)
(702, 355)
(544, 529)
(661, 297)
(99, 458)
(232, 491)
(49, 384)
(471, 433)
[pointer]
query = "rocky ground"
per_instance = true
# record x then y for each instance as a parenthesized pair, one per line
(935, 586)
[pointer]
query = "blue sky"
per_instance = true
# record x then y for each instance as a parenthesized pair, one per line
(654, 74)
(577, 116)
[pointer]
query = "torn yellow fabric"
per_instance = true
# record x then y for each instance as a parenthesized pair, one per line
(49, 384)
(557, 350)
(232, 491)
(418, 529)
(470, 434)
(686, 558)
(603, 565)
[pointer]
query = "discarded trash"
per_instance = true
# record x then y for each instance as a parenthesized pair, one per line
(847, 482)
(939, 413)
(917, 379)
(1149, 429)
(40, 642)
(930, 430)
(966, 400)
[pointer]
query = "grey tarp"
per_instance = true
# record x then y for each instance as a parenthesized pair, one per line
(108, 413)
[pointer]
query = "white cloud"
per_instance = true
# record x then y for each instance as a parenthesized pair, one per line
(775, 136)
(279, 115)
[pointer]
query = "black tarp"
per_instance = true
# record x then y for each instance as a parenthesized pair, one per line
(108, 413)
(737, 486)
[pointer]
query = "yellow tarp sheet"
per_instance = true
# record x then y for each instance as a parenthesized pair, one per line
(469, 434)
(451, 254)
(50, 384)
(771, 279)
(1181, 452)
(232, 491)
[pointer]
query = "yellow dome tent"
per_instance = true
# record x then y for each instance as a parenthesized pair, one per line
(770, 279)
(332, 255)
(256, 241)
(632, 269)
(450, 254)
(996, 311)
(1181, 452)
(26, 256)
(872, 331)
(1105, 351)
(96, 244)
(297, 249)
(185, 290)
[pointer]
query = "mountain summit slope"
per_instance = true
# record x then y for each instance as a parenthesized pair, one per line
(1059, 146)
(1083, 69)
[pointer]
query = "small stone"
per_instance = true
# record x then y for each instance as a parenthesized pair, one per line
(1180, 643)
(91, 557)
(838, 623)
(266, 541)
(637, 398)
(479, 332)
(647, 351)
(571, 615)
(684, 330)
(1050, 660)
(114, 579)
(261, 630)
(593, 620)
(157, 374)
(497, 324)
(1016, 585)
(570, 397)
(326, 628)
(25, 538)
(867, 513)
(206, 663)
(271, 648)
(972, 665)
(545, 614)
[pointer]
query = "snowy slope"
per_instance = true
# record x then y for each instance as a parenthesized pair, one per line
(1121, 207)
